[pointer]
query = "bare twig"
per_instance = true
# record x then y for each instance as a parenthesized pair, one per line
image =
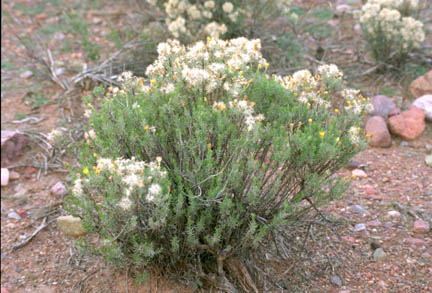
(28, 239)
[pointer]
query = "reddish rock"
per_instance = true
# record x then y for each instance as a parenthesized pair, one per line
(425, 103)
(13, 144)
(383, 106)
(421, 227)
(422, 85)
(409, 124)
(415, 241)
(374, 196)
(370, 190)
(374, 223)
(22, 213)
(29, 171)
(58, 189)
(379, 136)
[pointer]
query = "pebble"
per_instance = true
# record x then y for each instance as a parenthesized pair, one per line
(336, 280)
(358, 209)
(403, 143)
(13, 215)
(374, 223)
(18, 270)
(421, 227)
(58, 189)
(4, 176)
(379, 254)
(26, 74)
(14, 175)
(359, 173)
(394, 214)
(60, 71)
(428, 160)
(359, 227)
(415, 241)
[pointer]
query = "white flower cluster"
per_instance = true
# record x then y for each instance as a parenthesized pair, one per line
(206, 66)
(307, 88)
(246, 107)
(354, 135)
(134, 174)
(197, 19)
(355, 102)
(330, 71)
(383, 20)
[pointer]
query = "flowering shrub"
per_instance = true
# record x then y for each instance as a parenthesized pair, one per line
(212, 157)
(390, 30)
(190, 20)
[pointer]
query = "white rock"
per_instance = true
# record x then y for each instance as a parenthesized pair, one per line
(26, 74)
(4, 176)
(70, 225)
(58, 189)
(425, 103)
(359, 173)
(395, 214)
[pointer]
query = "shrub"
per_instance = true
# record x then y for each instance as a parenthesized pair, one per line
(197, 170)
(390, 30)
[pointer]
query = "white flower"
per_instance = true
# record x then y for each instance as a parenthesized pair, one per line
(228, 7)
(125, 203)
(209, 4)
(154, 190)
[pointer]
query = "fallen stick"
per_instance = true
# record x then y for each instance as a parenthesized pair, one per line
(28, 239)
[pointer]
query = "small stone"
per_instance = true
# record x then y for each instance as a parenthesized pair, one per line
(13, 144)
(379, 254)
(369, 190)
(415, 241)
(428, 147)
(26, 74)
(70, 225)
(422, 85)
(13, 215)
(18, 270)
(359, 227)
(59, 36)
(358, 209)
(4, 176)
(428, 160)
(343, 7)
(382, 284)
(14, 175)
(29, 171)
(421, 227)
(22, 213)
(58, 189)
(374, 223)
(409, 124)
(60, 71)
(403, 143)
(359, 173)
(336, 280)
(355, 165)
(425, 103)
(378, 133)
(394, 214)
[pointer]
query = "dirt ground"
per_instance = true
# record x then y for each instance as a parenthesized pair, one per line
(398, 181)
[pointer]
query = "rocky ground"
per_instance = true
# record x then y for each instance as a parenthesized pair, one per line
(387, 211)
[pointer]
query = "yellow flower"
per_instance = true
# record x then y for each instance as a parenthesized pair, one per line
(85, 171)
(300, 124)
(97, 170)
(266, 65)
(353, 176)
(310, 120)
(146, 128)
(259, 66)
(336, 111)
(209, 145)
(153, 82)
(322, 133)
